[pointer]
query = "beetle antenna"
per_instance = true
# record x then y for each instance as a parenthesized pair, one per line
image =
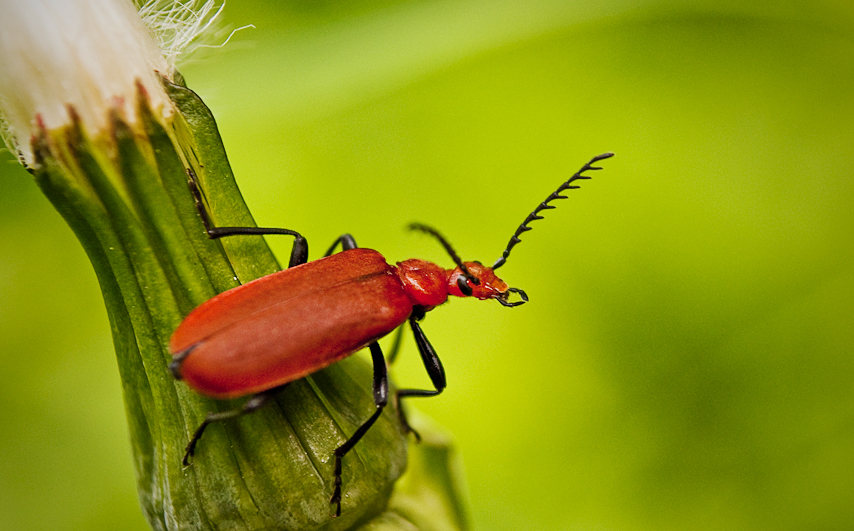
(546, 206)
(433, 232)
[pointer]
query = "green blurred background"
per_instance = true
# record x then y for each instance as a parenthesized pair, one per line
(685, 361)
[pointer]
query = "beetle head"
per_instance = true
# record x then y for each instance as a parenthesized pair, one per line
(473, 279)
(481, 282)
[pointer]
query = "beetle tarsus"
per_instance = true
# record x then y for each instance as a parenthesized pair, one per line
(336, 493)
(191, 449)
(193, 185)
(299, 252)
(404, 421)
(191, 446)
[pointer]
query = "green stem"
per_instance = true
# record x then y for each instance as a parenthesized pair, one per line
(127, 200)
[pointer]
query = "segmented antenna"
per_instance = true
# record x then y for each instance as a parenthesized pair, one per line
(433, 232)
(546, 206)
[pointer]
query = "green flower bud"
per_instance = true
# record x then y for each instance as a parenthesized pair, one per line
(107, 128)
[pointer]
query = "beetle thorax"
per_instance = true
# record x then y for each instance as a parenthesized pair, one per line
(425, 282)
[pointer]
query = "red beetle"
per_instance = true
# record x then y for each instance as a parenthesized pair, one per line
(254, 339)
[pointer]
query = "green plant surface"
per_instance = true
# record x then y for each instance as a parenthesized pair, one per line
(684, 361)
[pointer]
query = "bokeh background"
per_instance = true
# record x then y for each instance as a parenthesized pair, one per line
(685, 361)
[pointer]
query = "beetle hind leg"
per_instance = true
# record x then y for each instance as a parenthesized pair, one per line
(380, 389)
(299, 251)
(252, 405)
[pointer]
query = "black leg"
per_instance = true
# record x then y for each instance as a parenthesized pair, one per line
(431, 362)
(252, 405)
(299, 251)
(347, 242)
(380, 399)
(434, 369)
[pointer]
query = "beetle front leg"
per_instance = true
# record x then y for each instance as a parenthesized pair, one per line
(380, 388)
(299, 251)
(434, 369)
(252, 405)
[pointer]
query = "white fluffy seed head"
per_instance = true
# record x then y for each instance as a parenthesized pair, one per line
(90, 55)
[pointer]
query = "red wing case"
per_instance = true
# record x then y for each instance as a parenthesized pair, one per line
(287, 325)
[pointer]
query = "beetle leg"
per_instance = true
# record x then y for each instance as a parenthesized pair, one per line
(431, 362)
(347, 242)
(254, 403)
(434, 369)
(299, 251)
(380, 388)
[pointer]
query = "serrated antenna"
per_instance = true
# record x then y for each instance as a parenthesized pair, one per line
(533, 216)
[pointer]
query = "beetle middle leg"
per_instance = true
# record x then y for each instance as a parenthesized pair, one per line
(347, 242)
(380, 388)
(252, 405)
(299, 251)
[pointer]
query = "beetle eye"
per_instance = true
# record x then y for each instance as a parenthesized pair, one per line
(462, 283)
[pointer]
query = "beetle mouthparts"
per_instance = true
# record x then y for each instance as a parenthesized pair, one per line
(503, 298)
